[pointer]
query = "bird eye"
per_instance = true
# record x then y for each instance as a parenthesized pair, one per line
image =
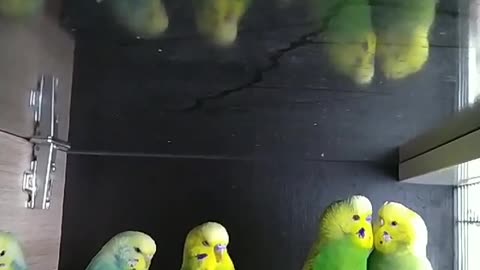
(394, 223)
(369, 219)
(201, 256)
(356, 217)
(138, 250)
(205, 243)
(2, 252)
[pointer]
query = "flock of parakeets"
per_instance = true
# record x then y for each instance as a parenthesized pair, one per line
(346, 240)
(356, 32)
(216, 20)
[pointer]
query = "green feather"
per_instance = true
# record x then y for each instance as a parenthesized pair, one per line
(331, 253)
(350, 41)
(401, 261)
(339, 245)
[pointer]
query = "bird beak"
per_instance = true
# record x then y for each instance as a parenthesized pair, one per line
(219, 251)
(387, 237)
(362, 233)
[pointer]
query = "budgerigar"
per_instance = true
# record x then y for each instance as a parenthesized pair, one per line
(144, 18)
(21, 9)
(128, 250)
(403, 28)
(11, 254)
(206, 248)
(345, 236)
(218, 20)
(400, 237)
(349, 37)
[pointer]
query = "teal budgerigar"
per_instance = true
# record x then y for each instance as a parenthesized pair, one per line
(144, 18)
(400, 238)
(11, 254)
(130, 250)
(345, 237)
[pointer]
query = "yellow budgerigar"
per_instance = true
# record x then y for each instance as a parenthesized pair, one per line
(400, 238)
(206, 248)
(20, 9)
(403, 28)
(144, 18)
(128, 250)
(350, 40)
(218, 20)
(11, 254)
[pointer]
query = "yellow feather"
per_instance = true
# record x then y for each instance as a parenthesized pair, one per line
(403, 29)
(201, 250)
(218, 20)
(337, 221)
(400, 228)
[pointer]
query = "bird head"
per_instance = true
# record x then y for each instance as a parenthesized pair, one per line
(10, 252)
(399, 228)
(349, 218)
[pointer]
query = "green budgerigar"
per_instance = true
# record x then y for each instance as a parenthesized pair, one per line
(128, 250)
(345, 237)
(206, 248)
(218, 20)
(400, 238)
(11, 254)
(21, 9)
(403, 28)
(349, 37)
(144, 18)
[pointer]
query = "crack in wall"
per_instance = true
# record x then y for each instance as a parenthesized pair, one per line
(258, 77)
(274, 59)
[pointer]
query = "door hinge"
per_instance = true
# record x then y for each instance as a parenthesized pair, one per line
(38, 179)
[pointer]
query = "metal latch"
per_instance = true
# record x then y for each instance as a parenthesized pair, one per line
(38, 179)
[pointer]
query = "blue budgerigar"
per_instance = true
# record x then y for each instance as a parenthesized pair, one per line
(145, 18)
(11, 254)
(128, 250)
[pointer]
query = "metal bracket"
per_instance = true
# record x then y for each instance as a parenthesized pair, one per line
(38, 179)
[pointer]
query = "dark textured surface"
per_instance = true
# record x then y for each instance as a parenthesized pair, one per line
(261, 136)
(269, 95)
(263, 18)
(270, 208)
(133, 100)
